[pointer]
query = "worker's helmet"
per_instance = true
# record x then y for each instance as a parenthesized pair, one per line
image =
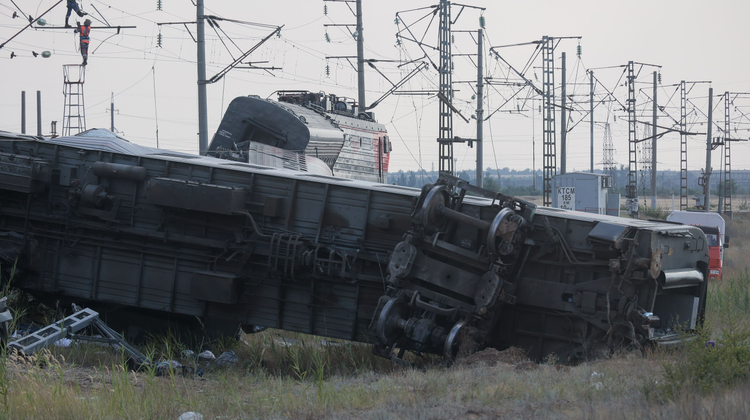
(87, 22)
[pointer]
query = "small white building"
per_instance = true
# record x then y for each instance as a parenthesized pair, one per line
(587, 192)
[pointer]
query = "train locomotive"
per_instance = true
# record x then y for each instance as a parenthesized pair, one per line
(307, 127)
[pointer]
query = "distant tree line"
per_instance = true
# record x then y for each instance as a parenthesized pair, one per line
(527, 182)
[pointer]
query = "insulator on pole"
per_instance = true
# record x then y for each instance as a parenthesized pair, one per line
(325, 9)
(328, 70)
(396, 21)
(659, 77)
(481, 21)
(355, 34)
(158, 5)
(328, 38)
(578, 51)
(158, 40)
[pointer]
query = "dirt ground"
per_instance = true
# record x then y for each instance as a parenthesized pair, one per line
(492, 357)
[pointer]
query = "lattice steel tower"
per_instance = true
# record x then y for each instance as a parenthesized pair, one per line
(683, 147)
(445, 133)
(548, 123)
(608, 156)
(631, 190)
(74, 110)
(727, 163)
(645, 146)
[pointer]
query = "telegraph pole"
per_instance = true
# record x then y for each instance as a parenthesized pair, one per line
(591, 115)
(360, 60)
(23, 112)
(563, 122)
(202, 106)
(707, 173)
(480, 110)
(653, 148)
(39, 113)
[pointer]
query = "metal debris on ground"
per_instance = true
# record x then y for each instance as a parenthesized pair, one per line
(69, 326)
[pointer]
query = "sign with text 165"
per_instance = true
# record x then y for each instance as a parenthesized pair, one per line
(566, 198)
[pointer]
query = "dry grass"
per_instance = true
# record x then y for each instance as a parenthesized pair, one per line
(606, 389)
(284, 375)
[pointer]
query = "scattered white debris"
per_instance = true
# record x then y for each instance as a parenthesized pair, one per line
(63, 342)
(596, 381)
(190, 415)
(206, 355)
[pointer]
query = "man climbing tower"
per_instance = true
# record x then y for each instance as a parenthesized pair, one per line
(84, 30)
(73, 6)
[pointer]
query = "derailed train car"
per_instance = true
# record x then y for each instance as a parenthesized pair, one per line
(142, 233)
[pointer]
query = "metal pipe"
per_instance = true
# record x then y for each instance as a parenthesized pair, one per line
(463, 218)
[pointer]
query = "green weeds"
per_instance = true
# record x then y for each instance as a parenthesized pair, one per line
(647, 212)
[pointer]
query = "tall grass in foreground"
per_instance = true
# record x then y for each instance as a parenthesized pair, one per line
(718, 356)
(729, 297)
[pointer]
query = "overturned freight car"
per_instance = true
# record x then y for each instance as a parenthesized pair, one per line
(141, 233)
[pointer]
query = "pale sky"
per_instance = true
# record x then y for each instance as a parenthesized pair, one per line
(156, 87)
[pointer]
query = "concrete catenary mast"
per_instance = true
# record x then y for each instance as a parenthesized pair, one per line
(202, 106)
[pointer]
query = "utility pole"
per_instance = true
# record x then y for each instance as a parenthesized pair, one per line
(112, 112)
(360, 60)
(202, 105)
(591, 115)
(563, 122)
(653, 148)
(23, 112)
(112, 117)
(38, 112)
(480, 109)
(444, 66)
(707, 173)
